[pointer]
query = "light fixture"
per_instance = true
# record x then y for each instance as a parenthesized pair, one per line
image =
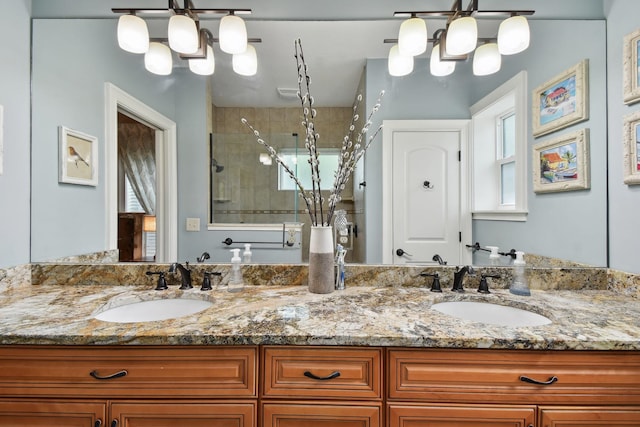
(233, 34)
(133, 34)
(149, 223)
(462, 35)
(440, 68)
(158, 59)
(459, 38)
(513, 35)
(183, 34)
(486, 60)
(399, 65)
(203, 66)
(192, 43)
(412, 37)
(246, 63)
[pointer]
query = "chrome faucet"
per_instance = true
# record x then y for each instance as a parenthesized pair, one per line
(185, 274)
(458, 278)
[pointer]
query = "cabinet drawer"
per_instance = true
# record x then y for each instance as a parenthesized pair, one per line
(296, 414)
(322, 373)
(184, 413)
(497, 376)
(459, 416)
(140, 371)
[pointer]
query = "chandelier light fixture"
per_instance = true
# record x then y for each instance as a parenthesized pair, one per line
(412, 38)
(399, 64)
(187, 39)
(459, 39)
(486, 60)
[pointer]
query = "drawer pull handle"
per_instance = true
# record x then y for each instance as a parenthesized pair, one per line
(114, 423)
(98, 423)
(118, 374)
(550, 381)
(308, 374)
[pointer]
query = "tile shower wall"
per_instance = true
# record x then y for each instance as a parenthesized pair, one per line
(246, 191)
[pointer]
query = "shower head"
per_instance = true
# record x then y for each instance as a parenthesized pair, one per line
(214, 164)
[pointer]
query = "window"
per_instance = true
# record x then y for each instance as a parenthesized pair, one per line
(499, 152)
(298, 161)
(133, 205)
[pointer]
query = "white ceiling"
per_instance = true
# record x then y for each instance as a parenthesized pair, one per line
(337, 37)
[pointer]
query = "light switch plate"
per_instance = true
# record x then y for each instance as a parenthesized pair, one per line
(193, 224)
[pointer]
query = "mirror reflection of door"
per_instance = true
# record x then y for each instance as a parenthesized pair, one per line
(136, 190)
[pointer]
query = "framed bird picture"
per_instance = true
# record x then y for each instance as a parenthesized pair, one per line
(78, 157)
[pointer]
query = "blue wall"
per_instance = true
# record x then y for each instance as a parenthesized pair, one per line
(15, 47)
(70, 219)
(624, 200)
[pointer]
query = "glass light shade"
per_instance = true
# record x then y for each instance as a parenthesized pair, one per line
(183, 34)
(133, 34)
(233, 34)
(246, 63)
(513, 35)
(440, 68)
(399, 65)
(412, 38)
(462, 36)
(203, 66)
(158, 59)
(149, 223)
(486, 60)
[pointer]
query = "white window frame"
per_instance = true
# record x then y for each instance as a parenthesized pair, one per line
(485, 143)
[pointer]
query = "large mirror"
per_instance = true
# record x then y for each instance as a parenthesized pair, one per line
(73, 58)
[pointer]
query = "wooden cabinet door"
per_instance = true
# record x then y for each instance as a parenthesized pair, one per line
(21, 413)
(460, 416)
(591, 416)
(300, 414)
(183, 414)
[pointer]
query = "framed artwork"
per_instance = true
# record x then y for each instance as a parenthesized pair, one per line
(631, 149)
(631, 77)
(78, 157)
(562, 164)
(561, 101)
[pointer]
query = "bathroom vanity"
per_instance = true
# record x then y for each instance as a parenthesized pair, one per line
(285, 386)
(279, 356)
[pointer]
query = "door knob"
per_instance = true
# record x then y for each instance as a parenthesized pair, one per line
(400, 252)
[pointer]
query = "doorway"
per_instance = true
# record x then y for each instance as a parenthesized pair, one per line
(425, 192)
(136, 190)
(166, 211)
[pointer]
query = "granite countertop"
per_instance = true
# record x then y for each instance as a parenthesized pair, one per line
(359, 315)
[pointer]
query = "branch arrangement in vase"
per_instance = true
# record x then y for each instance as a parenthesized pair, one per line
(353, 148)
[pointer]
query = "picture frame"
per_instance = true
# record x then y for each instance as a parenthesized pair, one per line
(561, 101)
(630, 67)
(562, 163)
(78, 157)
(631, 149)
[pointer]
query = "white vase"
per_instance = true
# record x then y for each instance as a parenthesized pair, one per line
(321, 261)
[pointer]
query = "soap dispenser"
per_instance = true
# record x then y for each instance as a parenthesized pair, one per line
(494, 256)
(236, 283)
(519, 285)
(246, 255)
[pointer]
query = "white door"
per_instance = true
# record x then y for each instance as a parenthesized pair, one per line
(425, 192)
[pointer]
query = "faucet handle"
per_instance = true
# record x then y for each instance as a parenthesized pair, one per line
(483, 288)
(162, 282)
(206, 281)
(435, 285)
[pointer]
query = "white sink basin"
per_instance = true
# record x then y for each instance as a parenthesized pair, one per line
(158, 309)
(493, 314)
